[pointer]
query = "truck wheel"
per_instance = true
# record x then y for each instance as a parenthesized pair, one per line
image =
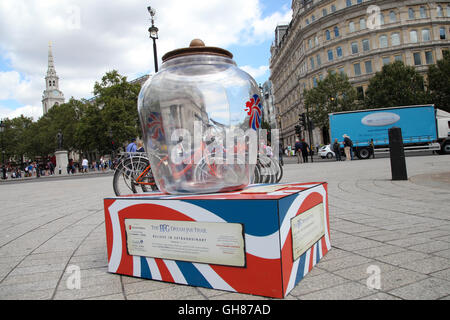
(445, 148)
(363, 153)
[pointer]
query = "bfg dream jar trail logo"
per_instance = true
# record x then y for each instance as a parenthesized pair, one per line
(254, 110)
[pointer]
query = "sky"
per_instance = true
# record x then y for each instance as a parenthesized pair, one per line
(90, 38)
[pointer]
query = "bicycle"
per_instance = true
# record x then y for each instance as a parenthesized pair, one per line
(133, 173)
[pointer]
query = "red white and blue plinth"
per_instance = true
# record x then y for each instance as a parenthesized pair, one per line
(271, 238)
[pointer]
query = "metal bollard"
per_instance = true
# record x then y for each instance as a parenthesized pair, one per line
(397, 154)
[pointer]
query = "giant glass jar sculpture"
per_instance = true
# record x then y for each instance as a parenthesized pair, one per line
(200, 115)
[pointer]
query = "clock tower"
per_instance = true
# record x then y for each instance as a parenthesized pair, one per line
(52, 95)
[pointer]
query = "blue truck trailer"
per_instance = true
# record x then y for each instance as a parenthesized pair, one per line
(423, 127)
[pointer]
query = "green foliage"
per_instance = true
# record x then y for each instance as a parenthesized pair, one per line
(333, 94)
(439, 82)
(86, 127)
(396, 85)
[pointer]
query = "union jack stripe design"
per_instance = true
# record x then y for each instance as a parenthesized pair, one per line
(254, 110)
(270, 270)
(155, 126)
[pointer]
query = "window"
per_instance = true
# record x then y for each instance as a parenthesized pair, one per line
(392, 17)
(439, 11)
(368, 65)
(360, 93)
(395, 39)
(316, 41)
(315, 82)
(398, 57)
(311, 60)
(339, 52)
(448, 10)
(357, 68)
(310, 43)
(366, 45)
(442, 33)
(330, 55)
(411, 14)
(324, 12)
(413, 36)
(313, 18)
(381, 18)
(333, 8)
(359, 1)
(354, 47)
(386, 60)
(349, 3)
(341, 70)
(383, 41)
(417, 59)
(423, 12)
(351, 27)
(362, 24)
(429, 57)
(426, 35)
(327, 35)
(319, 61)
(336, 31)
(307, 21)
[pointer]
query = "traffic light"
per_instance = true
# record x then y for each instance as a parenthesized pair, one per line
(302, 120)
(298, 130)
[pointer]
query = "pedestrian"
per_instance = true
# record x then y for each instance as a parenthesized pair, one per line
(131, 147)
(298, 150)
(305, 150)
(348, 144)
(84, 164)
(280, 154)
(269, 151)
(140, 146)
(372, 148)
(337, 149)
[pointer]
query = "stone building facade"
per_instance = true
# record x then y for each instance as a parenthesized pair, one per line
(354, 37)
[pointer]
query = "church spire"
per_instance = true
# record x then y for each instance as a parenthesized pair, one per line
(52, 95)
(51, 64)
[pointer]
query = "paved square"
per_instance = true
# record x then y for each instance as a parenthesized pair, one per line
(393, 232)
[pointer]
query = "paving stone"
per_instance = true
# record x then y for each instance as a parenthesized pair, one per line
(396, 278)
(379, 251)
(380, 296)
(427, 289)
(345, 262)
(428, 265)
(316, 283)
(345, 291)
(402, 257)
(173, 292)
(364, 271)
(431, 247)
(443, 274)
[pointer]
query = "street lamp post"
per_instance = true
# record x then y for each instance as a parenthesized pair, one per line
(308, 124)
(2, 130)
(154, 35)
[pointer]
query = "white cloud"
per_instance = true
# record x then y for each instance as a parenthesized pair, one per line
(256, 72)
(90, 38)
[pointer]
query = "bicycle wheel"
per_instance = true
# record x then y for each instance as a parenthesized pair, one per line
(278, 170)
(124, 181)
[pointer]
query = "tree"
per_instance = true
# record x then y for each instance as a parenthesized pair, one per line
(117, 100)
(396, 85)
(439, 82)
(333, 94)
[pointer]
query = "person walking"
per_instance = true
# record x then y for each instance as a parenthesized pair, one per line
(337, 149)
(132, 146)
(280, 154)
(140, 146)
(85, 165)
(372, 148)
(305, 150)
(347, 147)
(298, 150)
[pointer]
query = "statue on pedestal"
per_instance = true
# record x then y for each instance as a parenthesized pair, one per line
(59, 138)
